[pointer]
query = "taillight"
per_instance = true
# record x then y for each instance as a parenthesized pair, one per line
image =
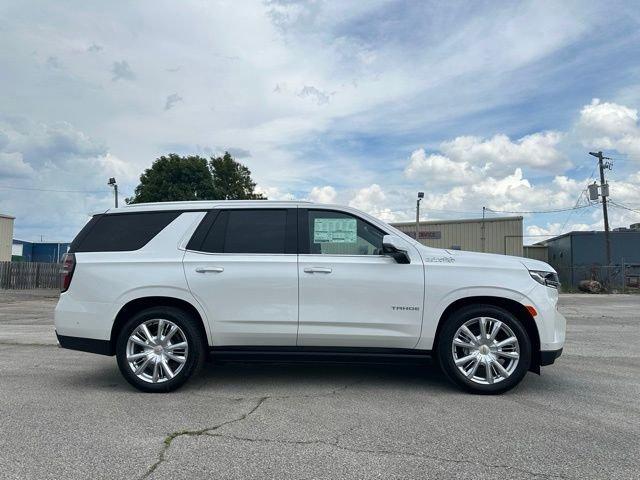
(68, 266)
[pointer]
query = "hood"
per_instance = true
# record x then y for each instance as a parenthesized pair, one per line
(479, 258)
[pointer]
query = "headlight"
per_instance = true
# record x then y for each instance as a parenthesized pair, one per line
(549, 279)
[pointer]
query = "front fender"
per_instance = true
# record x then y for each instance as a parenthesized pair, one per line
(436, 307)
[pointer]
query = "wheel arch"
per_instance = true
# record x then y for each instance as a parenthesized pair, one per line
(142, 303)
(512, 306)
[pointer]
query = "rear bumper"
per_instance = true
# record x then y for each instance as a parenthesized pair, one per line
(547, 357)
(91, 345)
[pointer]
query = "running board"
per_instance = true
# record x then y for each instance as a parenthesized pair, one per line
(320, 355)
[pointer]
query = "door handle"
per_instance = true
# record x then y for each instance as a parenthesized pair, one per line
(317, 270)
(209, 269)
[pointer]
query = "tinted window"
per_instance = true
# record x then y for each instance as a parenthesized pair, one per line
(121, 232)
(337, 233)
(199, 236)
(249, 231)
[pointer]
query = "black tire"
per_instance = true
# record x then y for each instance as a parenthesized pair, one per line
(193, 336)
(445, 356)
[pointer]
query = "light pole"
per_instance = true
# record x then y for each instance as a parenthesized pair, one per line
(420, 197)
(112, 183)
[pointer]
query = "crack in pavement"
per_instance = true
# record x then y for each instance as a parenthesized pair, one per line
(194, 433)
(206, 431)
(336, 444)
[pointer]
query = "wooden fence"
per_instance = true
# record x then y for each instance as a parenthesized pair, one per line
(26, 275)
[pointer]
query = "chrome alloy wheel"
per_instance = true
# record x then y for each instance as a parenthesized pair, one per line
(157, 350)
(485, 350)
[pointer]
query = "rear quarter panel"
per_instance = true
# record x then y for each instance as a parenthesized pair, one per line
(103, 282)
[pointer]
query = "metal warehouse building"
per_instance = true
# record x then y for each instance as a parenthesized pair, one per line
(6, 236)
(491, 235)
(581, 256)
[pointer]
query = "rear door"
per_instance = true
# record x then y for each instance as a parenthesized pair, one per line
(241, 265)
(351, 295)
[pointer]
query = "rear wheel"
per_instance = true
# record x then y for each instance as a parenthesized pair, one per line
(484, 349)
(159, 349)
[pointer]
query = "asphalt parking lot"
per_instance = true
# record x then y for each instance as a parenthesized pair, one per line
(68, 414)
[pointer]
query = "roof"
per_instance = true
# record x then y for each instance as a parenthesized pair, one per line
(2, 215)
(586, 232)
(461, 220)
(25, 242)
(208, 204)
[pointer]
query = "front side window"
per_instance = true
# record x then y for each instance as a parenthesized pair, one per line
(248, 231)
(338, 233)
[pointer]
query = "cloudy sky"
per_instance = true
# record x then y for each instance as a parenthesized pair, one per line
(477, 104)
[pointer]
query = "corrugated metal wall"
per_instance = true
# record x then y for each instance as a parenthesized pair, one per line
(537, 252)
(6, 238)
(502, 235)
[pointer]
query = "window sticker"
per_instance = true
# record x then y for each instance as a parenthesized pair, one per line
(335, 230)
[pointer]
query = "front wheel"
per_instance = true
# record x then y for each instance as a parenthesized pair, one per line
(159, 349)
(484, 349)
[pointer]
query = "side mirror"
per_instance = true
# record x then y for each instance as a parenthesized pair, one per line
(395, 248)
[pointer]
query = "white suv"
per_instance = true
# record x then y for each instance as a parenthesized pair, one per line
(163, 285)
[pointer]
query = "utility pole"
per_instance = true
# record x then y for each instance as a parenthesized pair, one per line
(483, 237)
(420, 197)
(112, 183)
(604, 193)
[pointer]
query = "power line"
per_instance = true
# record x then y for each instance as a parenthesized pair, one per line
(623, 206)
(541, 211)
(578, 200)
(50, 189)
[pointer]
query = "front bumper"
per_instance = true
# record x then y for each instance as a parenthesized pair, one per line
(551, 323)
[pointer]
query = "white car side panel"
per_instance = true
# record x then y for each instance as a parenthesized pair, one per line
(252, 301)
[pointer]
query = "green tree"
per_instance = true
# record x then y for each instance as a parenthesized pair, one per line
(232, 180)
(175, 178)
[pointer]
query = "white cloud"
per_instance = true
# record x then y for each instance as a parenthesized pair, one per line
(274, 193)
(326, 194)
(537, 233)
(439, 168)
(499, 153)
(469, 160)
(609, 126)
(372, 199)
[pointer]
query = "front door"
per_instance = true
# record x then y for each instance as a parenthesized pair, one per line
(243, 270)
(351, 295)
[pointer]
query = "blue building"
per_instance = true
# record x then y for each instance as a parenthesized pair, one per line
(45, 252)
(578, 256)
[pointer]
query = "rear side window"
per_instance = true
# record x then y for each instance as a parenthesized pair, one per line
(121, 232)
(266, 231)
